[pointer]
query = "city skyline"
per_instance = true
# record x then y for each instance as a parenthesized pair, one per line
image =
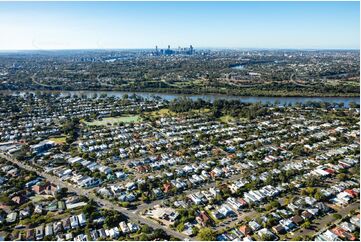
(143, 25)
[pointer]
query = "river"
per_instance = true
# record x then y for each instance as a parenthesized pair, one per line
(212, 97)
(238, 67)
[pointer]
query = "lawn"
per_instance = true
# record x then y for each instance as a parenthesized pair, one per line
(58, 140)
(226, 119)
(202, 110)
(216, 221)
(162, 112)
(114, 120)
(166, 112)
(39, 198)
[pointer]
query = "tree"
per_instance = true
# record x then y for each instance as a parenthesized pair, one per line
(306, 225)
(341, 177)
(125, 204)
(160, 234)
(143, 237)
(195, 230)
(268, 207)
(146, 229)
(206, 234)
(61, 193)
(89, 208)
(266, 237)
(144, 198)
(180, 227)
(319, 196)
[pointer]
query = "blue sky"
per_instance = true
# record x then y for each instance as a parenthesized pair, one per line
(84, 25)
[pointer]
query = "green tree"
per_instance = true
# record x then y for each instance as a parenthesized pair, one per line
(143, 237)
(306, 225)
(61, 193)
(146, 229)
(180, 227)
(341, 177)
(206, 234)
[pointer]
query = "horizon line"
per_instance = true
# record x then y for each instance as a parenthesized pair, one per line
(199, 48)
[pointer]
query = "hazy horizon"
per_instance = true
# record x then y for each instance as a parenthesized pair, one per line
(205, 25)
(196, 48)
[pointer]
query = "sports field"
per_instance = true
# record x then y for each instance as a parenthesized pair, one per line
(114, 120)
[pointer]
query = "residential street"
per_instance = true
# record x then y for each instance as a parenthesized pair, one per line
(105, 203)
(321, 223)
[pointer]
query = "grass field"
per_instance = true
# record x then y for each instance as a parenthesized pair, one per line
(204, 110)
(114, 120)
(166, 112)
(58, 140)
(162, 112)
(39, 198)
(226, 119)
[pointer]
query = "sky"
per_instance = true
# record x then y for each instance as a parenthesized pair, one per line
(123, 25)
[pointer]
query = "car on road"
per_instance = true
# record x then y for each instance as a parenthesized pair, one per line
(20, 226)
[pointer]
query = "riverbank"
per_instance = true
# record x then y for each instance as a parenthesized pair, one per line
(195, 91)
(207, 97)
(236, 92)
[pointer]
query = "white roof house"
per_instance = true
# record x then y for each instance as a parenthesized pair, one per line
(82, 219)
